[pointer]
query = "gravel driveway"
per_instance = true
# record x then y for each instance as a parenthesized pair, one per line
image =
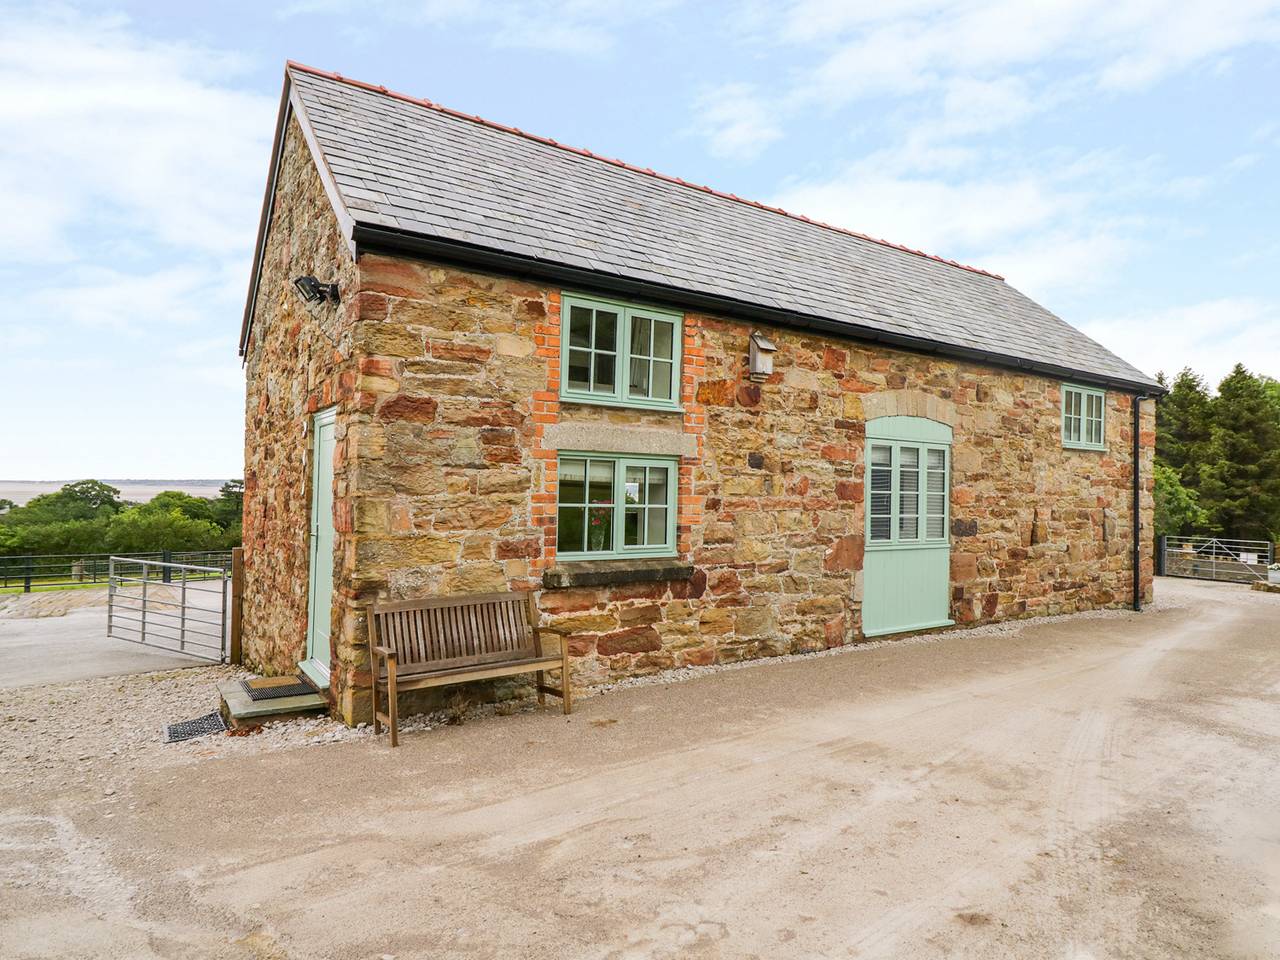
(1089, 787)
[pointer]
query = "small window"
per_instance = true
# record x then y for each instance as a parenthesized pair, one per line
(1083, 417)
(617, 354)
(615, 506)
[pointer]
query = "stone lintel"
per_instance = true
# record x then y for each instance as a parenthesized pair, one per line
(616, 438)
(601, 573)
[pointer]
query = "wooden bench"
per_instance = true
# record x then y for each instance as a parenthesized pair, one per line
(446, 640)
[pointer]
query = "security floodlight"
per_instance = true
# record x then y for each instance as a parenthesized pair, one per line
(313, 291)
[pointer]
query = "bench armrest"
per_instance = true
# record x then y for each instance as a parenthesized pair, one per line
(383, 651)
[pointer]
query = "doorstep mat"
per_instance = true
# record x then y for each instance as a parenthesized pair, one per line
(199, 727)
(273, 688)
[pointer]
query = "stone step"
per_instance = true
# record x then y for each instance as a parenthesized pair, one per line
(241, 712)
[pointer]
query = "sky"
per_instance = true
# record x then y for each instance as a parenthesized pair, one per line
(1118, 160)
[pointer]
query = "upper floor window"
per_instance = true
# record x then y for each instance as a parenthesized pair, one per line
(614, 353)
(1083, 417)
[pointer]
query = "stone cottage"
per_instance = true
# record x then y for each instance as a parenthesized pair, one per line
(698, 428)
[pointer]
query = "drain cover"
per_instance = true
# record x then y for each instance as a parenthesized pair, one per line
(199, 727)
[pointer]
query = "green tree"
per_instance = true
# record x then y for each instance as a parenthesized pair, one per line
(194, 508)
(229, 507)
(1178, 510)
(1240, 481)
(144, 531)
(1184, 420)
(6, 505)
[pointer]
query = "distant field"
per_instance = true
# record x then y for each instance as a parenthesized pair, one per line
(139, 491)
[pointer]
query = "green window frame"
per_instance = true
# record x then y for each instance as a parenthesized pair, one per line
(611, 506)
(908, 493)
(1084, 417)
(619, 354)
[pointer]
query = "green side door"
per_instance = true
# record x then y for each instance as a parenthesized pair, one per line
(320, 587)
(907, 565)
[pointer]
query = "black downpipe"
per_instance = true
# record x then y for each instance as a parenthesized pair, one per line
(1137, 500)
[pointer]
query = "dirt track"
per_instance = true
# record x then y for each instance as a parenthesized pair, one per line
(1079, 789)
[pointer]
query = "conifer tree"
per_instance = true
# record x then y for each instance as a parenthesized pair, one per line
(1240, 479)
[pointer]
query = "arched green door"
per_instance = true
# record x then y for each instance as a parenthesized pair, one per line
(906, 570)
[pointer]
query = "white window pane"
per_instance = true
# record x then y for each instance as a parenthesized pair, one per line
(601, 481)
(657, 486)
(571, 529)
(937, 459)
(937, 528)
(664, 338)
(937, 482)
(641, 329)
(908, 503)
(639, 383)
(572, 475)
(880, 528)
(908, 528)
(599, 528)
(579, 327)
(580, 369)
(881, 479)
(604, 368)
(661, 385)
(656, 532)
(937, 504)
(881, 456)
(634, 485)
(606, 330)
(910, 458)
(633, 527)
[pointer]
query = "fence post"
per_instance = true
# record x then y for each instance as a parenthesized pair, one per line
(1162, 544)
(237, 601)
(26, 579)
(166, 556)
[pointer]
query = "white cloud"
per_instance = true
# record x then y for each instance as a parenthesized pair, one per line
(112, 134)
(736, 121)
(1211, 336)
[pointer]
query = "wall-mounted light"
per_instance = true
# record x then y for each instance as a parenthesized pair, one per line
(760, 359)
(313, 291)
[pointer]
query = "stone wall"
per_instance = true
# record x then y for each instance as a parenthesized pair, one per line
(451, 419)
(455, 491)
(299, 360)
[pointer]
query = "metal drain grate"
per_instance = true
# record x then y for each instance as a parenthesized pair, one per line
(199, 727)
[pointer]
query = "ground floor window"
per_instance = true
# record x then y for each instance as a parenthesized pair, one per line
(617, 506)
(908, 492)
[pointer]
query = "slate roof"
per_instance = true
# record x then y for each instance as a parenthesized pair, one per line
(417, 168)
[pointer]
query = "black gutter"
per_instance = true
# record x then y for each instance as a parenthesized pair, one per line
(1137, 500)
(384, 239)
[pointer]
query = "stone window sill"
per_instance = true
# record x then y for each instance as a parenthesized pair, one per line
(604, 573)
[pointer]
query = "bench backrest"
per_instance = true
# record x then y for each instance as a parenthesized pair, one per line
(443, 632)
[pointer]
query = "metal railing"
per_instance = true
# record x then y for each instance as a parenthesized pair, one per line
(61, 570)
(1213, 558)
(178, 607)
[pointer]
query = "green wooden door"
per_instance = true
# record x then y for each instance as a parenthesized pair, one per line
(320, 590)
(907, 565)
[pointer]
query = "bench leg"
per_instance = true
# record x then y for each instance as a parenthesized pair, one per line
(393, 707)
(377, 724)
(542, 695)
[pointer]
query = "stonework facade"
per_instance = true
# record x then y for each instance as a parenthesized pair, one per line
(449, 422)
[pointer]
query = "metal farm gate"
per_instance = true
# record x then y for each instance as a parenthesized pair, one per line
(1212, 558)
(178, 607)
